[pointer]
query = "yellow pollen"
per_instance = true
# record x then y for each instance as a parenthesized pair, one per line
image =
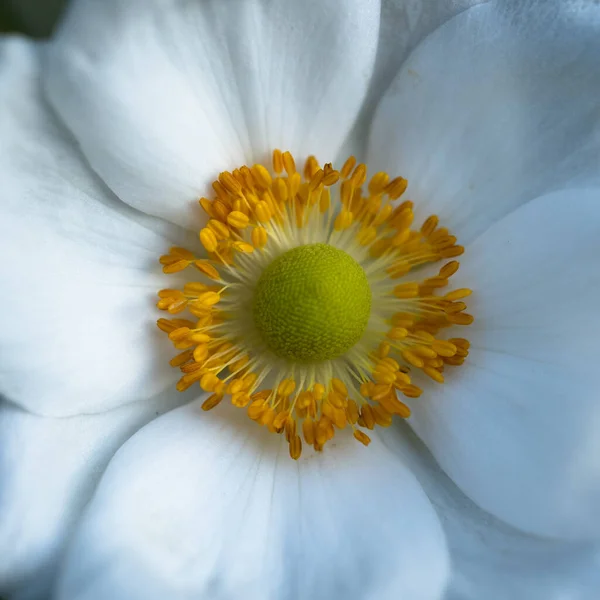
(257, 214)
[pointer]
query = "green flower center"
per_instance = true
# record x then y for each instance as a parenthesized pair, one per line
(312, 303)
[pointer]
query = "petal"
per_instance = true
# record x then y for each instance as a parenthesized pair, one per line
(79, 270)
(490, 559)
(164, 95)
(518, 426)
(48, 471)
(404, 23)
(209, 505)
(498, 106)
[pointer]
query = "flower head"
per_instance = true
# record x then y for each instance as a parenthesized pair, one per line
(317, 296)
(313, 312)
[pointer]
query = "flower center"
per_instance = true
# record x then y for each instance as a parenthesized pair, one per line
(312, 311)
(312, 303)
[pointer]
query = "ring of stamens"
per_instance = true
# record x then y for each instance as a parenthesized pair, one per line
(257, 215)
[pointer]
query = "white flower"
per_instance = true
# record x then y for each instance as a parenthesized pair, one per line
(109, 135)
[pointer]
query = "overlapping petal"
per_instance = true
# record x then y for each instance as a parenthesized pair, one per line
(79, 268)
(491, 559)
(162, 96)
(210, 505)
(48, 471)
(496, 107)
(517, 427)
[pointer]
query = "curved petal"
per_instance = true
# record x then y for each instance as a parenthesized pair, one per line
(163, 95)
(518, 426)
(404, 23)
(48, 471)
(210, 505)
(498, 106)
(491, 559)
(79, 270)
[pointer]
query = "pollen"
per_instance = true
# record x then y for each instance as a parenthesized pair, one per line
(310, 307)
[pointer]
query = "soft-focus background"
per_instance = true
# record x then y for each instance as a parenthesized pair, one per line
(33, 17)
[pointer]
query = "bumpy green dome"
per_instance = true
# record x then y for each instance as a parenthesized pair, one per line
(312, 303)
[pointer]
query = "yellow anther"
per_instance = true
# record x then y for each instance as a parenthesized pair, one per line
(383, 216)
(348, 167)
(286, 387)
(452, 252)
(295, 447)
(383, 418)
(362, 437)
(211, 402)
(206, 205)
(424, 351)
(367, 416)
(339, 386)
(288, 163)
(460, 318)
(366, 236)
(352, 413)
(243, 247)
(336, 399)
(220, 230)
(378, 182)
(311, 167)
(259, 237)
(434, 374)
(413, 359)
(277, 161)
(198, 337)
(458, 294)
(208, 269)
(343, 220)
(262, 211)
(261, 176)
(229, 182)
(316, 180)
(331, 178)
(359, 176)
(318, 391)
(220, 210)
(240, 399)
(325, 200)
(308, 431)
(238, 219)
(429, 226)
(280, 190)
(406, 290)
(395, 188)
(444, 348)
(401, 238)
(257, 408)
(208, 239)
(176, 267)
(208, 382)
(208, 298)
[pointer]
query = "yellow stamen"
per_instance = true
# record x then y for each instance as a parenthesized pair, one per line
(260, 212)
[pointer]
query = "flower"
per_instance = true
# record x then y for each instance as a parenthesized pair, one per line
(111, 134)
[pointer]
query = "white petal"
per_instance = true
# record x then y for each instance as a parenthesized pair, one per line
(79, 270)
(490, 559)
(498, 106)
(404, 23)
(518, 426)
(164, 95)
(209, 505)
(48, 471)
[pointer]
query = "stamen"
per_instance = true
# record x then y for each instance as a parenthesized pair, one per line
(260, 214)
